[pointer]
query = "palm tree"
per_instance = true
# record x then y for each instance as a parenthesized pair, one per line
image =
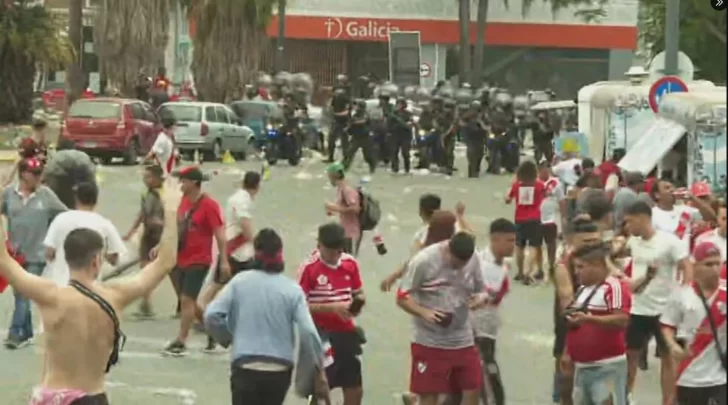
(229, 42)
(30, 37)
(131, 36)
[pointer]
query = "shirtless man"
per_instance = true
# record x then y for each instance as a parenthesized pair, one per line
(82, 331)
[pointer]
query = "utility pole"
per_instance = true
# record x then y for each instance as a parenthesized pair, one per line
(281, 39)
(672, 36)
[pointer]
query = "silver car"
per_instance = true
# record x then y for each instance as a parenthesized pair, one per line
(210, 128)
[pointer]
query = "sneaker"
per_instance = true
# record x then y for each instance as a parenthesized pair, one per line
(211, 346)
(539, 276)
(175, 349)
(630, 400)
(14, 343)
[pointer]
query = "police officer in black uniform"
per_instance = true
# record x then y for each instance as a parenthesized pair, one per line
(341, 107)
(446, 123)
(400, 129)
(383, 136)
(428, 145)
(474, 133)
(360, 131)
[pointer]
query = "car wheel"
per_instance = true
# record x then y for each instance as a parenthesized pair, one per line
(131, 154)
(106, 160)
(216, 154)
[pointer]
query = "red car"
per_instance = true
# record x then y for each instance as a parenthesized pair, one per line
(111, 127)
(53, 98)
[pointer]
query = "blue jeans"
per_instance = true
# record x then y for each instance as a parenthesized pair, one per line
(595, 385)
(21, 326)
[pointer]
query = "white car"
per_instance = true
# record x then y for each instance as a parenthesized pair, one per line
(210, 128)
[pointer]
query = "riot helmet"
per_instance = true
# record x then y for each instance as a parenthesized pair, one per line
(341, 79)
(401, 102)
(250, 91)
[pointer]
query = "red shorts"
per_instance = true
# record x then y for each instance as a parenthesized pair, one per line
(442, 371)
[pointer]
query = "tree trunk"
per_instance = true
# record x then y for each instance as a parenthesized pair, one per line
(16, 76)
(74, 80)
(464, 17)
(479, 62)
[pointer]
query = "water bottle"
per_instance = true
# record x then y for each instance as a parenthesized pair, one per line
(378, 241)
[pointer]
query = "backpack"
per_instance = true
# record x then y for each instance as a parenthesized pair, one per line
(370, 213)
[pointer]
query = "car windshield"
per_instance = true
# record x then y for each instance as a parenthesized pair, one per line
(95, 109)
(182, 112)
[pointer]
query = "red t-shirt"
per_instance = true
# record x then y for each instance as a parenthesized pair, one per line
(607, 169)
(197, 248)
(528, 199)
(611, 296)
(323, 284)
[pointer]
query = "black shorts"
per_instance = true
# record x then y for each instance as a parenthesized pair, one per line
(345, 372)
(189, 280)
(550, 233)
(715, 395)
(560, 330)
(98, 399)
(529, 233)
(254, 387)
(641, 329)
(235, 268)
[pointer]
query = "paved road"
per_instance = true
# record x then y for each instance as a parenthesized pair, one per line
(292, 202)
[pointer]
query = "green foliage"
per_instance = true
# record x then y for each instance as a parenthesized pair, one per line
(34, 34)
(702, 34)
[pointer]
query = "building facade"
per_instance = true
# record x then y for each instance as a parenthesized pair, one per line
(535, 49)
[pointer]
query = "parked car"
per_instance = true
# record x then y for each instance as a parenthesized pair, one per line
(54, 94)
(111, 127)
(210, 128)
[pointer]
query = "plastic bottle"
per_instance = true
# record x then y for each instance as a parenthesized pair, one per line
(378, 241)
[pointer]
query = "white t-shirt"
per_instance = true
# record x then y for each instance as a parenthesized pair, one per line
(238, 206)
(163, 150)
(664, 250)
(550, 207)
(566, 173)
(718, 240)
(57, 270)
(685, 312)
(487, 321)
(670, 221)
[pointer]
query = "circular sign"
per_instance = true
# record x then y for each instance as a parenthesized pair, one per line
(425, 70)
(665, 85)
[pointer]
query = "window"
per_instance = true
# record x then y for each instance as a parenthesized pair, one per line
(95, 110)
(210, 115)
(137, 111)
(222, 115)
(182, 112)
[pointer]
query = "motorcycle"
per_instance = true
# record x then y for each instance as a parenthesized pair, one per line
(426, 144)
(282, 143)
(503, 151)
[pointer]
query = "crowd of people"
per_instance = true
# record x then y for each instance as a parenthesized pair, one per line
(635, 264)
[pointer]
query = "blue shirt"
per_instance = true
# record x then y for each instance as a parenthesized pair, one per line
(257, 312)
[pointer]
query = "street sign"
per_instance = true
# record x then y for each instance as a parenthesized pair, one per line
(425, 70)
(665, 85)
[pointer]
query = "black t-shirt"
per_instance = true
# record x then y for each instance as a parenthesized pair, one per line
(359, 129)
(398, 121)
(142, 92)
(427, 120)
(339, 104)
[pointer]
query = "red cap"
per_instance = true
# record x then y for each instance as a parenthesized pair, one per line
(701, 189)
(705, 250)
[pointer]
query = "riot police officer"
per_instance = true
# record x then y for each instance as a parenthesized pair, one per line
(291, 114)
(426, 143)
(341, 108)
(400, 129)
(474, 132)
(446, 124)
(383, 134)
(360, 131)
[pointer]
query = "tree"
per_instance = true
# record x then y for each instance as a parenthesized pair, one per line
(702, 34)
(131, 36)
(75, 80)
(30, 37)
(230, 37)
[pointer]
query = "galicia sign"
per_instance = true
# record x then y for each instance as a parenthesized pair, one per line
(362, 30)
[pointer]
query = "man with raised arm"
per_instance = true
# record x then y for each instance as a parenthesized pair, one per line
(82, 327)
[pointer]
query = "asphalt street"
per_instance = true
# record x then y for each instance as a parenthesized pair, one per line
(291, 201)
